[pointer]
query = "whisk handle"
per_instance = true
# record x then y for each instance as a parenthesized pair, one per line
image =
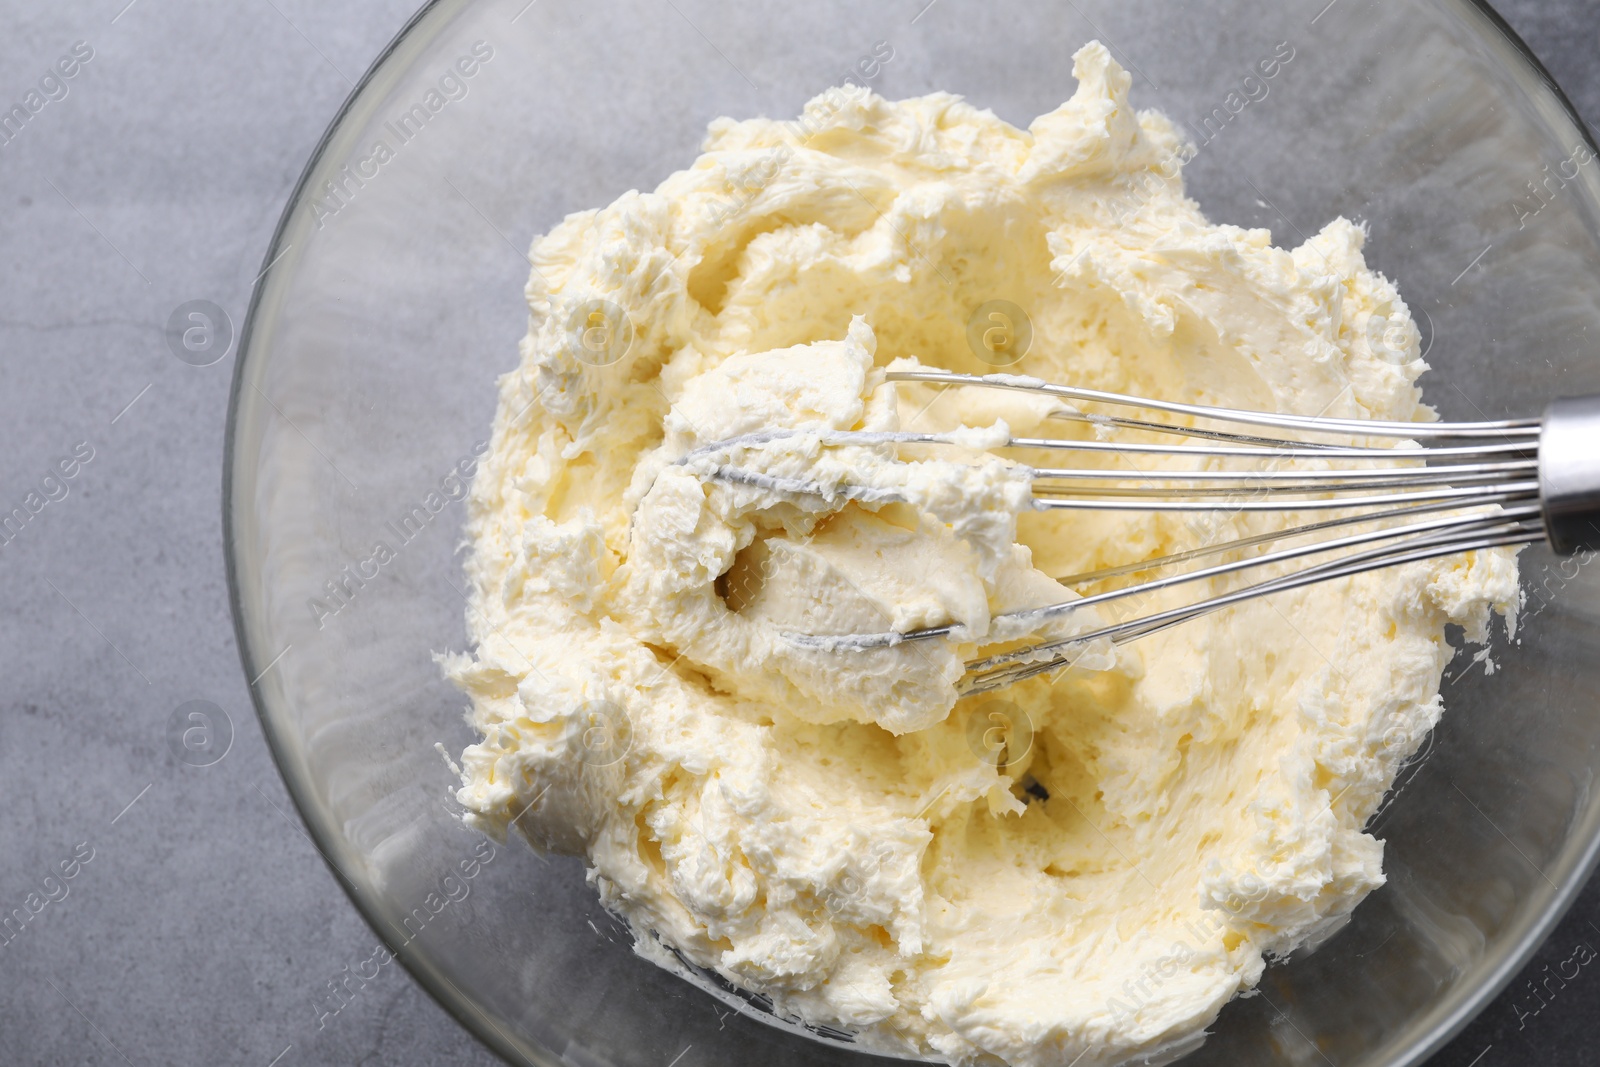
(1569, 473)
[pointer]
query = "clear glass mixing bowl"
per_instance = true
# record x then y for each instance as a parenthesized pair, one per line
(394, 299)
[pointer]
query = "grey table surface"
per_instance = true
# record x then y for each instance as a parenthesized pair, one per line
(204, 920)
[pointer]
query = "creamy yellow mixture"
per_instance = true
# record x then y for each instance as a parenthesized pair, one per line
(1078, 869)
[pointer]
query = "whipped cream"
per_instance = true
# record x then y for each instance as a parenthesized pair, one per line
(1079, 869)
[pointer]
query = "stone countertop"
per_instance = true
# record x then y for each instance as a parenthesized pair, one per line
(201, 919)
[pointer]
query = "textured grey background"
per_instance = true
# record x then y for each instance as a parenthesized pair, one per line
(205, 924)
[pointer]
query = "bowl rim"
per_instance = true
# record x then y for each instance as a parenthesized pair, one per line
(472, 1017)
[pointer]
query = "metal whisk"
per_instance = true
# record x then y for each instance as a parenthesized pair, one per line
(1473, 485)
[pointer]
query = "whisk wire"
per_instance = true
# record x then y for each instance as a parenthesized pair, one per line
(1308, 423)
(982, 678)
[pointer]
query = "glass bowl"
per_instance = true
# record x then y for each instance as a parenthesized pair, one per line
(393, 299)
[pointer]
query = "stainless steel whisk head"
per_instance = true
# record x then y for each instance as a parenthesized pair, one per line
(1472, 485)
